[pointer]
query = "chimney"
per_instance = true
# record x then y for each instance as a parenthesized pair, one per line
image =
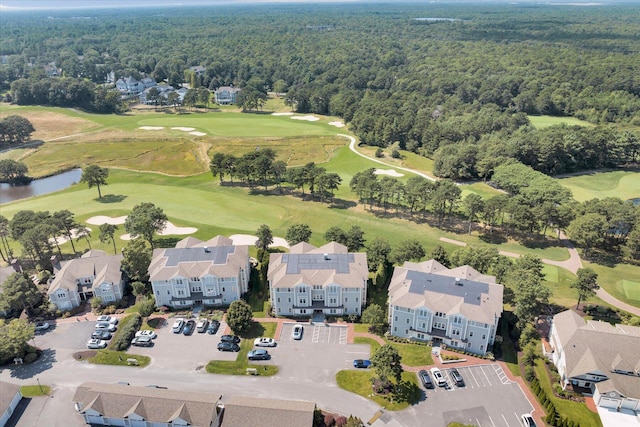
(326, 257)
(206, 249)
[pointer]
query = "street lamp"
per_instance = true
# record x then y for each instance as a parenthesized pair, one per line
(39, 385)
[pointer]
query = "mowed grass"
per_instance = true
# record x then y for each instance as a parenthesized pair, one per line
(598, 185)
(610, 278)
(35, 390)
(541, 122)
(119, 358)
(631, 289)
(359, 382)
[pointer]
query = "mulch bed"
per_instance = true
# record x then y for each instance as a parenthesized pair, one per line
(82, 355)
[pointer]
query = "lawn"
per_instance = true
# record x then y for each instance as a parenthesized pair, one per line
(610, 278)
(359, 382)
(35, 390)
(541, 122)
(598, 185)
(240, 365)
(412, 354)
(119, 358)
(576, 411)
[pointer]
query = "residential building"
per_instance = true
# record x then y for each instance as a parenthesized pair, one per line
(95, 274)
(326, 280)
(599, 357)
(212, 273)
(130, 87)
(10, 396)
(125, 405)
(225, 95)
(198, 70)
(242, 411)
(458, 307)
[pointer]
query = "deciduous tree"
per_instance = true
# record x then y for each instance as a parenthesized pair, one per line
(265, 237)
(386, 362)
(19, 293)
(586, 284)
(145, 220)
(297, 233)
(239, 316)
(136, 260)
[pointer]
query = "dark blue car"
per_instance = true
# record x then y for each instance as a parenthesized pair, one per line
(361, 363)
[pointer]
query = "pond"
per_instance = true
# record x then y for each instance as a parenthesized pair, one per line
(37, 187)
(636, 201)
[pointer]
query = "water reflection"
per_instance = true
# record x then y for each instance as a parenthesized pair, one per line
(37, 187)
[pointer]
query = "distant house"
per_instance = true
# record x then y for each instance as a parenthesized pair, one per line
(95, 274)
(10, 396)
(458, 307)
(51, 70)
(326, 280)
(198, 70)
(242, 411)
(130, 87)
(599, 357)
(226, 95)
(212, 273)
(125, 405)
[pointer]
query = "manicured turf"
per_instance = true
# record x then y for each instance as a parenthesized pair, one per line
(621, 184)
(546, 121)
(610, 279)
(359, 382)
(119, 358)
(631, 289)
(35, 390)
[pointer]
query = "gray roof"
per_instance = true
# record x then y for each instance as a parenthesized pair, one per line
(462, 290)
(193, 258)
(95, 263)
(152, 404)
(326, 265)
(599, 347)
(7, 392)
(242, 411)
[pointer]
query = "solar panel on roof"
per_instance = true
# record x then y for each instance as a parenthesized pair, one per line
(469, 290)
(337, 262)
(217, 255)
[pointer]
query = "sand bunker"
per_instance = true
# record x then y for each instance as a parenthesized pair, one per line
(247, 239)
(196, 133)
(307, 118)
(337, 124)
(390, 172)
(64, 239)
(282, 114)
(151, 127)
(169, 229)
(101, 219)
(183, 129)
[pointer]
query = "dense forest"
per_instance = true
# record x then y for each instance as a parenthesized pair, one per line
(458, 90)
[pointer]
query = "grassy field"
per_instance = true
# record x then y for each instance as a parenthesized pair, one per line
(359, 382)
(119, 358)
(546, 121)
(612, 279)
(598, 185)
(35, 390)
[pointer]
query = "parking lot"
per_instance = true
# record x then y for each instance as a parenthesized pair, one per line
(482, 401)
(317, 333)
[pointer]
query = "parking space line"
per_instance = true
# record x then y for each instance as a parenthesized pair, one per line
(485, 374)
(505, 420)
(329, 337)
(502, 375)
(343, 335)
(315, 335)
(492, 423)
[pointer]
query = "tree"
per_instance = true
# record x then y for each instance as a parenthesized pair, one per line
(407, 250)
(107, 232)
(95, 176)
(355, 239)
(239, 316)
(139, 288)
(218, 165)
(588, 230)
(297, 233)
(136, 260)
(13, 172)
(473, 205)
(386, 362)
(146, 307)
(66, 223)
(378, 251)
(440, 254)
(530, 296)
(375, 316)
(19, 293)
(265, 237)
(14, 338)
(145, 220)
(633, 243)
(336, 234)
(586, 284)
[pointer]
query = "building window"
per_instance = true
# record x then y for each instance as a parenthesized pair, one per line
(396, 318)
(471, 333)
(356, 299)
(278, 299)
(395, 329)
(406, 332)
(484, 336)
(224, 290)
(407, 320)
(289, 299)
(346, 299)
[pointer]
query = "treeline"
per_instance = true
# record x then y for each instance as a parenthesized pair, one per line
(15, 130)
(396, 80)
(65, 92)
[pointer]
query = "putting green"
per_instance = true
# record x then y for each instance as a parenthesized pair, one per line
(550, 273)
(631, 289)
(622, 184)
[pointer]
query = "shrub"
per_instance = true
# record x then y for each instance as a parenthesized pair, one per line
(30, 357)
(127, 330)
(529, 373)
(379, 153)
(341, 421)
(329, 421)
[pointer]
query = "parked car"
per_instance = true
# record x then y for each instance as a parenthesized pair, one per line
(264, 342)
(146, 333)
(456, 377)
(202, 325)
(41, 326)
(178, 324)
(425, 379)
(142, 341)
(95, 344)
(107, 319)
(213, 327)
(259, 354)
(101, 326)
(438, 377)
(228, 346)
(101, 335)
(230, 338)
(361, 363)
(189, 327)
(296, 334)
(527, 420)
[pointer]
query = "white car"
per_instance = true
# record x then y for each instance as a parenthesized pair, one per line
(438, 378)
(177, 326)
(264, 342)
(96, 344)
(42, 326)
(527, 420)
(106, 327)
(146, 333)
(107, 319)
(296, 334)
